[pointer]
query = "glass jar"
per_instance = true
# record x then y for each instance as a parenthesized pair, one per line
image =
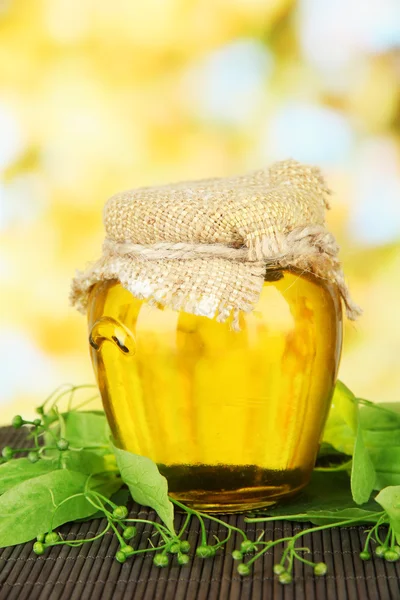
(233, 419)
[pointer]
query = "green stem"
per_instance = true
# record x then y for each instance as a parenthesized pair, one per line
(294, 538)
(61, 503)
(60, 387)
(71, 391)
(224, 541)
(303, 560)
(191, 511)
(152, 549)
(99, 506)
(264, 550)
(100, 447)
(184, 526)
(290, 561)
(36, 437)
(85, 402)
(163, 531)
(343, 467)
(34, 449)
(385, 543)
(368, 538)
(105, 500)
(278, 518)
(61, 421)
(305, 516)
(374, 531)
(203, 530)
(210, 517)
(392, 539)
(77, 543)
(284, 555)
(376, 528)
(226, 525)
(258, 540)
(345, 523)
(121, 540)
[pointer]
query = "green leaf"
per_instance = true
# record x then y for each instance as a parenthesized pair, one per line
(28, 508)
(327, 499)
(18, 470)
(146, 484)
(384, 438)
(339, 435)
(85, 429)
(341, 426)
(89, 462)
(345, 403)
(378, 416)
(394, 407)
(385, 479)
(347, 420)
(363, 474)
(386, 461)
(389, 499)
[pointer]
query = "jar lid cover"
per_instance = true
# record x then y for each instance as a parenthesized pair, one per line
(203, 246)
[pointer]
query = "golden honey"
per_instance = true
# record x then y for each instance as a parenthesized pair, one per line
(232, 418)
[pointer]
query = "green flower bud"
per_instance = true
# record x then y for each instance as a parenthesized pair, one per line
(120, 556)
(247, 547)
(205, 551)
(52, 537)
(160, 560)
(38, 548)
(285, 578)
(17, 421)
(62, 444)
(40, 537)
(120, 512)
(185, 547)
(33, 456)
(365, 555)
(183, 559)
(279, 569)
(380, 551)
(129, 533)
(237, 555)
(391, 555)
(174, 548)
(37, 422)
(320, 568)
(127, 550)
(7, 452)
(243, 569)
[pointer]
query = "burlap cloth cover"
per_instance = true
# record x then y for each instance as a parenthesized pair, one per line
(203, 246)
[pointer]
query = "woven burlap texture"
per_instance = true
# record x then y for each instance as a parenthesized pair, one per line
(203, 246)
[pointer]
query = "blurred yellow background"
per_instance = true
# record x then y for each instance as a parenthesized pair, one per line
(97, 97)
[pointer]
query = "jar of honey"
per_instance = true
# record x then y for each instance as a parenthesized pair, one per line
(231, 402)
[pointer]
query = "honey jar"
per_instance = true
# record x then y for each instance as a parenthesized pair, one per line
(217, 357)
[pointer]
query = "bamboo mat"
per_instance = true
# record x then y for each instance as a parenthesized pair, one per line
(91, 572)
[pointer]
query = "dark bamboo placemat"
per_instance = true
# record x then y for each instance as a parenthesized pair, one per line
(90, 572)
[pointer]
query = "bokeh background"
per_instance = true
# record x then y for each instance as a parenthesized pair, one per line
(97, 97)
